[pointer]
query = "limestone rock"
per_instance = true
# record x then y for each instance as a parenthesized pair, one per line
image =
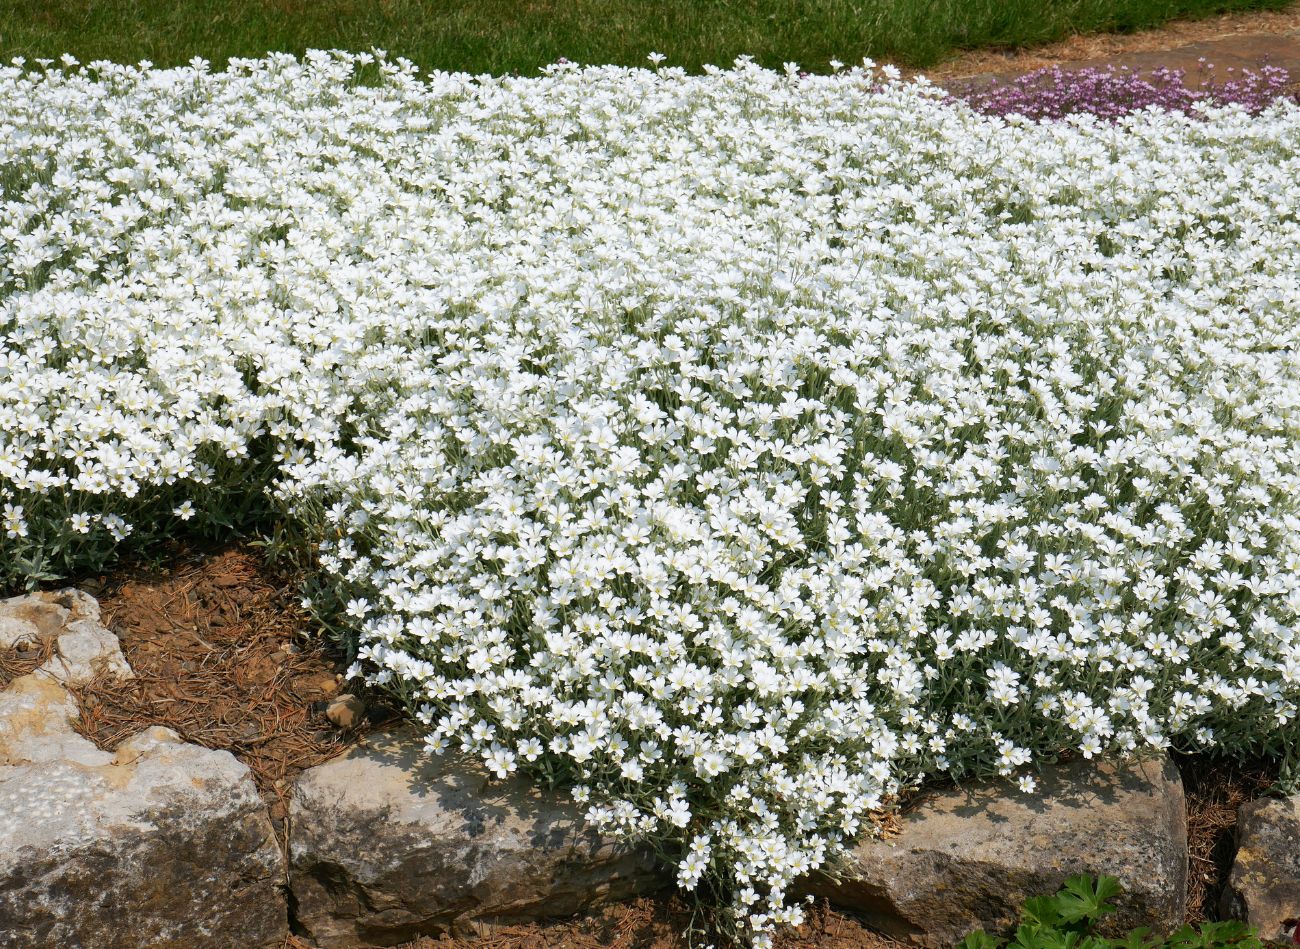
(85, 651)
(1264, 884)
(84, 648)
(17, 631)
(37, 617)
(967, 859)
(387, 843)
(157, 843)
(36, 716)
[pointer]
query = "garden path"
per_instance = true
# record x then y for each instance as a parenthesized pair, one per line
(1238, 39)
(1242, 51)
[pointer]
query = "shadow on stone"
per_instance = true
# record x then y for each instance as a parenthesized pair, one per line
(969, 857)
(387, 843)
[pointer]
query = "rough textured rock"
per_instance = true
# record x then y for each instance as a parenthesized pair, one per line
(84, 647)
(969, 858)
(40, 616)
(345, 711)
(157, 843)
(387, 843)
(1264, 885)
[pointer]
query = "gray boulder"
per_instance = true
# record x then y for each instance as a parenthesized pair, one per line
(967, 859)
(1264, 884)
(388, 843)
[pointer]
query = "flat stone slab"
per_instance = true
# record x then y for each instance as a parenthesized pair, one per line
(1264, 884)
(967, 859)
(388, 843)
(156, 843)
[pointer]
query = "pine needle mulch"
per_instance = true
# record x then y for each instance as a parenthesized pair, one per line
(1215, 789)
(219, 649)
(18, 661)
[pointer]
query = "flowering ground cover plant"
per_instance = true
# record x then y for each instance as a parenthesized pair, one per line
(738, 449)
(1110, 92)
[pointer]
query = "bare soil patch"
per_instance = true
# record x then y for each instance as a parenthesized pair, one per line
(1116, 46)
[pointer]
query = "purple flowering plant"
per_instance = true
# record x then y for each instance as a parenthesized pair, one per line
(1110, 92)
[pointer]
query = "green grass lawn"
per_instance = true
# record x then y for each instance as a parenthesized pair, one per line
(504, 35)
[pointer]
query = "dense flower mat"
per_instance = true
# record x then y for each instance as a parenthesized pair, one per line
(738, 448)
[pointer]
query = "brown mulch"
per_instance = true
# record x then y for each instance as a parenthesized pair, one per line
(221, 655)
(1214, 790)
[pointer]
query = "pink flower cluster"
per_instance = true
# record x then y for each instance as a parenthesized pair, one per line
(1111, 92)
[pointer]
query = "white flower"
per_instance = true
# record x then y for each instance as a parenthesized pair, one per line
(530, 749)
(746, 446)
(500, 761)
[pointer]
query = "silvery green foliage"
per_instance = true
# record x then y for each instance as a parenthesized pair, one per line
(740, 448)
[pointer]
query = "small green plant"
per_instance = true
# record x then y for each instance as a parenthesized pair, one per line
(1067, 919)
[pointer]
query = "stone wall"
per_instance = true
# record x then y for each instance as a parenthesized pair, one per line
(159, 842)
